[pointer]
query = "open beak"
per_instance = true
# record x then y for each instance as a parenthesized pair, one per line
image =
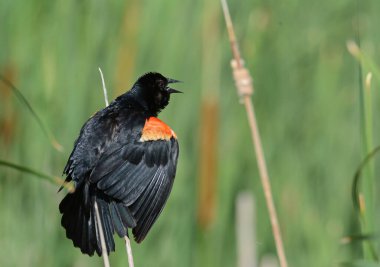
(171, 90)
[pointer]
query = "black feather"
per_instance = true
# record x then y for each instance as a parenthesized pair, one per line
(117, 221)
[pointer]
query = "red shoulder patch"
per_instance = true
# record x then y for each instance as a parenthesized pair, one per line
(155, 129)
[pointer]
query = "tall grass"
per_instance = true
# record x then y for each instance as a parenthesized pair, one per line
(307, 108)
(365, 189)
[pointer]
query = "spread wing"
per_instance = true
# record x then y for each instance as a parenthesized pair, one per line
(96, 137)
(140, 173)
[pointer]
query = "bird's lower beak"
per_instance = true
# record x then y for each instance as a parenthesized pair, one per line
(173, 91)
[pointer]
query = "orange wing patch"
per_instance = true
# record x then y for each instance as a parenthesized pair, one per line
(155, 129)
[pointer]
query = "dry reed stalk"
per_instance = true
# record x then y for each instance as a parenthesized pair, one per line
(127, 242)
(97, 217)
(104, 87)
(128, 248)
(208, 163)
(244, 86)
(106, 261)
(245, 227)
(209, 116)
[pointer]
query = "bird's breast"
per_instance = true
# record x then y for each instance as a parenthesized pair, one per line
(155, 129)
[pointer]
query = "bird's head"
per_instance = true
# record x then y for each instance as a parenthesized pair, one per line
(152, 91)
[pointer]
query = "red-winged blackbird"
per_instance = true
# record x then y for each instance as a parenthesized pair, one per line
(125, 159)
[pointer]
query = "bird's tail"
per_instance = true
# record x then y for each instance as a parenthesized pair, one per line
(79, 219)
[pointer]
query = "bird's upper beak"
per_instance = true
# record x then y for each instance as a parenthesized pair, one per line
(173, 81)
(171, 90)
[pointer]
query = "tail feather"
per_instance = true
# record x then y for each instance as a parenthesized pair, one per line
(91, 236)
(126, 216)
(107, 224)
(117, 221)
(79, 219)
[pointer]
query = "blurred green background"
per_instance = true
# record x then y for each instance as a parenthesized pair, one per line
(307, 102)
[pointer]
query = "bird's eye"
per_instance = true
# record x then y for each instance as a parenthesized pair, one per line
(160, 84)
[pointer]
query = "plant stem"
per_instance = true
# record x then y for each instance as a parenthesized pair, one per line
(244, 86)
(102, 239)
(129, 251)
(127, 241)
(265, 181)
(104, 87)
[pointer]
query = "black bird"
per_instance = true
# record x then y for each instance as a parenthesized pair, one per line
(125, 160)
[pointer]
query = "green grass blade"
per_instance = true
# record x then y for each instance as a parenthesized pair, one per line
(358, 238)
(357, 177)
(21, 97)
(52, 179)
(363, 59)
(363, 212)
(360, 264)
